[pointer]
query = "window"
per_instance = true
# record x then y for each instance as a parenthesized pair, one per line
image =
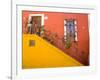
(70, 29)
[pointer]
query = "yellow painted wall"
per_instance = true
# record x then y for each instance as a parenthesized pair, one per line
(43, 54)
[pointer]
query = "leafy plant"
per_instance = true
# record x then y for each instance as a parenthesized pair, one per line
(68, 42)
(42, 31)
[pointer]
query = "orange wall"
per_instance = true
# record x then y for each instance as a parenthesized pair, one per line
(55, 23)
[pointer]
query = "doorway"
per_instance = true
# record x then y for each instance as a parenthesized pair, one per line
(36, 21)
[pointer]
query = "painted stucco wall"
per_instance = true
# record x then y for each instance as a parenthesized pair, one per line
(45, 56)
(55, 23)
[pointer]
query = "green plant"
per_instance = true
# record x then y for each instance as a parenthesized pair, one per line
(68, 42)
(42, 34)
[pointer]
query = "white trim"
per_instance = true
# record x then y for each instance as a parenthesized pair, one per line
(42, 15)
(64, 30)
(76, 32)
(76, 38)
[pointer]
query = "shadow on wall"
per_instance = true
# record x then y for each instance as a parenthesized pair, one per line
(53, 30)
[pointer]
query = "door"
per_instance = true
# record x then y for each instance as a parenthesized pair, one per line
(35, 24)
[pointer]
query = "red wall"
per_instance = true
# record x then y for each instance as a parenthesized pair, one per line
(55, 23)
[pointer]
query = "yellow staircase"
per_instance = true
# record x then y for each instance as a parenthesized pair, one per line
(43, 55)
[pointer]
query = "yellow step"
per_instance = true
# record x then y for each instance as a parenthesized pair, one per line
(44, 55)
